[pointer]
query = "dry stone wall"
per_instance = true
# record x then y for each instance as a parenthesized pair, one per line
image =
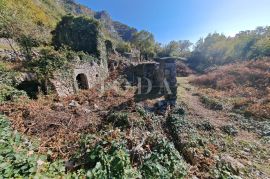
(66, 83)
(160, 74)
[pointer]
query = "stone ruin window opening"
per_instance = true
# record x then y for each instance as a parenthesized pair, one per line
(82, 81)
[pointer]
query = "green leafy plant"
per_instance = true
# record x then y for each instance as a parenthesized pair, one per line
(7, 76)
(111, 162)
(18, 157)
(212, 103)
(119, 119)
(164, 161)
(8, 93)
(46, 65)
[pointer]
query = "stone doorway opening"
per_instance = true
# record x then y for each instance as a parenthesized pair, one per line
(82, 81)
(32, 88)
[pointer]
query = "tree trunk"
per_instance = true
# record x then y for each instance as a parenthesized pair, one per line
(45, 86)
(10, 44)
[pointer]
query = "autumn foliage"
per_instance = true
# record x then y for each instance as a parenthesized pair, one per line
(246, 85)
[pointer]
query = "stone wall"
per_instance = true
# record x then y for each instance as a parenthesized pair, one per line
(66, 83)
(95, 73)
(161, 74)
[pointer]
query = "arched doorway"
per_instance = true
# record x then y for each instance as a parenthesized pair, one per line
(82, 81)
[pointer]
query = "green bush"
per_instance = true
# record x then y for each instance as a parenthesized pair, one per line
(119, 119)
(123, 47)
(7, 76)
(164, 162)
(86, 58)
(211, 103)
(8, 93)
(141, 111)
(47, 64)
(78, 33)
(18, 158)
(110, 162)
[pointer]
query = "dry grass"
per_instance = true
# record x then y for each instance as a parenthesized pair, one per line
(57, 125)
(182, 69)
(245, 85)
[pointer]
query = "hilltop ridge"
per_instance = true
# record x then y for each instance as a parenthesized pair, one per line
(49, 12)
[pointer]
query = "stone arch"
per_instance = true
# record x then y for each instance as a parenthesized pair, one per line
(82, 81)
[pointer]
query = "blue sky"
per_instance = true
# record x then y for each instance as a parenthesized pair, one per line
(186, 19)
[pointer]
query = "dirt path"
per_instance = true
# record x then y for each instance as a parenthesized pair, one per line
(196, 110)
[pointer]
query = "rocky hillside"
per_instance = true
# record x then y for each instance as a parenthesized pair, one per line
(49, 12)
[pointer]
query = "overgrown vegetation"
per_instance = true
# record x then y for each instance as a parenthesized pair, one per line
(19, 158)
(78, 33)
(9, 93)
(217, 49)
(245, 87)
(8, 81)
(164, 162)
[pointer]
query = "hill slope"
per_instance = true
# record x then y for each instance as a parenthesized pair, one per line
(49, 12)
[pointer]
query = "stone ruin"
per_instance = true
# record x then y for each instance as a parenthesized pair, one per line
(159, 75)
(156, 78)
(83, 76)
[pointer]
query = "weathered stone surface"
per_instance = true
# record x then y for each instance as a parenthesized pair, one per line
(157, 78)
(74, 104)
(95, 73)
(67, 84)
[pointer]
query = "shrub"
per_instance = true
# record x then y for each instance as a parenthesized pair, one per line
(119, 119)
(211, 103)
(78, 33)
(123, 47)
(206, 126)
(142, 112)
(8, 93)
(7, 75)
(47, 64)
(110, 162)
(177, 122)
(230, 130)
(164, 162)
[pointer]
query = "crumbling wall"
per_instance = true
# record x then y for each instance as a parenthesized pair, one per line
(161, 74)
(167, 77)
(95, 73)
(65, 83)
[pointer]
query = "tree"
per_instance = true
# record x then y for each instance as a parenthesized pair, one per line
(217, 49)
(179, 48)
(145, 43)
(123, 47)
(79, 33)
(261, 48)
